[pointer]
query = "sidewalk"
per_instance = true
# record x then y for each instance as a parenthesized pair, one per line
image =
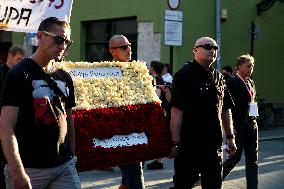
(274, 133)
(162, 179)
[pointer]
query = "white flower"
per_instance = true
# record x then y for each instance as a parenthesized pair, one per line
(133, 87)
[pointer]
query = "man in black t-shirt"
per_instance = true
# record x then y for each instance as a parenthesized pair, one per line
(197, 115)
(15, 55)
(36, 126)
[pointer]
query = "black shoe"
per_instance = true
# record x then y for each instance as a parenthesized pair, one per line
(155, 165)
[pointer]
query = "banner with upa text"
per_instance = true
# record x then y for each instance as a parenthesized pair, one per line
(26, 15)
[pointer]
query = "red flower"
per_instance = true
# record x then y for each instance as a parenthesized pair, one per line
(103, 123)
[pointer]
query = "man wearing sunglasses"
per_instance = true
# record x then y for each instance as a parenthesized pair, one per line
(132, 174)
(36, 126)
(200, 107)
(120, 48)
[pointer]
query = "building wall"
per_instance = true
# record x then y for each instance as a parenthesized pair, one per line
(268, 44)
(100, 10)
(198, 20)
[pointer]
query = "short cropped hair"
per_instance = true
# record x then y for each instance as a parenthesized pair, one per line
(16, 49)
(157, 66)
(243, 58)
(228, 68)
(48, 24)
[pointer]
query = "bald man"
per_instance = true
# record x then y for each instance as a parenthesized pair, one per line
(132, 174)
(200, 107)
(120, 48)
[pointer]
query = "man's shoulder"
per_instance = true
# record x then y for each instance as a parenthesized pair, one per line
(24, 69)
(251, 80)
(4, 68)
(61, 75)
(234, 81)
(187, 67)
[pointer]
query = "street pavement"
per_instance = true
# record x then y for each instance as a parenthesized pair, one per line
(271, 169)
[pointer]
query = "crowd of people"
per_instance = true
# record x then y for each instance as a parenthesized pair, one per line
(201, 106)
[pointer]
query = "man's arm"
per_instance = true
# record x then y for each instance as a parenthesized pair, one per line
(176, 122)
(10, 147)
(167, 92)
(227, 124)
(71, 130)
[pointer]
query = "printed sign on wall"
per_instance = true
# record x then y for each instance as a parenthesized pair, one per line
(25, 16)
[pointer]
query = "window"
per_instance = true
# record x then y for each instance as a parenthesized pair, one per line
(98, 34)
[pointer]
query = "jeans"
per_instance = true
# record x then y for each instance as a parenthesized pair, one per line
(247, 141)
(63, 176)
(132, 176)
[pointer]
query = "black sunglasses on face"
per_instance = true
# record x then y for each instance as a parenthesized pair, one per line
(123, 47)
(208, 47)
(59, 39)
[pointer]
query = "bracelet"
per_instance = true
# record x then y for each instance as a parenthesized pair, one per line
(230, 136)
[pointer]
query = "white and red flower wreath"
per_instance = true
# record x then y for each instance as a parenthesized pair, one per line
(118, 117)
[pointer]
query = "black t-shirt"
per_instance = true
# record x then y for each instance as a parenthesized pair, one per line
(3, 72)
(41, 128)
(202, 96)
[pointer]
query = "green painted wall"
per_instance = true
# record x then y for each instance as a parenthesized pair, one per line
(199, 20)
(268, 45)
(18, 38)
(195, 24)
(85, 10)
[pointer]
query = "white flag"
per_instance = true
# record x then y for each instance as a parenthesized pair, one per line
(26, 15)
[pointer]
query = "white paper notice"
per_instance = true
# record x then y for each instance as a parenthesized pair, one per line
(253, 109)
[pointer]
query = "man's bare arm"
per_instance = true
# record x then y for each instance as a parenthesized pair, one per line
(176, 122)
(227, 124)
(8, 119)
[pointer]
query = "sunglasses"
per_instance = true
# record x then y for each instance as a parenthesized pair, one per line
(208, 47)
(59, 39)
(123, 47)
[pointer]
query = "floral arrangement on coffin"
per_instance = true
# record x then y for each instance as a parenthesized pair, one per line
(118, 117)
